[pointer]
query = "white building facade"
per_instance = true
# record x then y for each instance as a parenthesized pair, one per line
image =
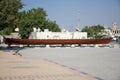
(58, 35)
(115, 30)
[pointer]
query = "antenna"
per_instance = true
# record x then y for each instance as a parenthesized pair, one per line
(78, 22)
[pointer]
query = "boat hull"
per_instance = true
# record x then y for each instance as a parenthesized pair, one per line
(11, 41)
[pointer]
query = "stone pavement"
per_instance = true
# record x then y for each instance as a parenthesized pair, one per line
(16, 67)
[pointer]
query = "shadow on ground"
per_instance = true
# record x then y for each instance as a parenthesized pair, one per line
(16, 48)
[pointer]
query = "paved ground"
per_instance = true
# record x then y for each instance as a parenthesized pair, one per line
(16, 67)
(103, 63)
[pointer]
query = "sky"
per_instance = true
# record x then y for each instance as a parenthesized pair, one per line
(68, 14)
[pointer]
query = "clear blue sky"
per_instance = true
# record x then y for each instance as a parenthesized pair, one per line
(67, 12)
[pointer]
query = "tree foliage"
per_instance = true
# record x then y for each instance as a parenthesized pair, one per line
(89, 31)
(35, 18)
(29, 19)
(8, 15)
(10, 18)
(52, 26)
(94, 31)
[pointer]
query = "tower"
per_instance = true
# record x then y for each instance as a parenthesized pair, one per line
(114, 26)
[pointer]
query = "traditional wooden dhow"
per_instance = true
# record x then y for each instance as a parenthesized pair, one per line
(16, 41)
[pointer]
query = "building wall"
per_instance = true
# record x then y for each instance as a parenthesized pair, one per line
(58, 35)
(115, 30)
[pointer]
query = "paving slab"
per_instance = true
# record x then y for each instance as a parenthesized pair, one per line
(16, 67)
